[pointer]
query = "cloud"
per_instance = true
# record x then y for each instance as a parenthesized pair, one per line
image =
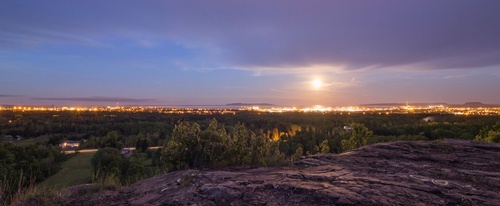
(9, 95)
(456, 76)
(279, 91)
(147, 43)
(276, 36)
(98, 99)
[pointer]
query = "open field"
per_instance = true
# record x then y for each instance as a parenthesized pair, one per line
(77, 170)
(43, 139)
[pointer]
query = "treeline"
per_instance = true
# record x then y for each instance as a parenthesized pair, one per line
(158, 127)
(24, 166)
(211, 144)
(489, 134)
(192, 146)
(82, 125)
(110, 166)
(213, 141)
(218, 145)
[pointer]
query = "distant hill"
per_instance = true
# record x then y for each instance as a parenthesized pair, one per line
(474, 104)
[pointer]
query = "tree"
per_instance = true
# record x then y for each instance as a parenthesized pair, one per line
(298, 153)
(107, 163)
(239, 147)
(215, 142)
(324, 147)
(111, 140)
(141, 145)
(213, 147)
(184, 148)
(489, 135)
(358, 137)
(135, 170)
(21, 166)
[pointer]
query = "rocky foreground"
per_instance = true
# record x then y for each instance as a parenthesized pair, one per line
(449, 172)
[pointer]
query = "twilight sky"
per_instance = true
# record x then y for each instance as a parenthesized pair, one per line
(220, 51)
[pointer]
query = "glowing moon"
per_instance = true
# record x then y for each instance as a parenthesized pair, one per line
(317, 84)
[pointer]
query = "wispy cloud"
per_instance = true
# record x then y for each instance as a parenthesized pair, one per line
(456, 76)
(9, 95)
(147, 43)
(278, 40)
(296, 70)
(280, 91)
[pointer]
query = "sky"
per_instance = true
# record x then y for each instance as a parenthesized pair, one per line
(283, 52)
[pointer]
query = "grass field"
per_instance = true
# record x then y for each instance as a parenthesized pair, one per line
(29, 141)
(77, 170)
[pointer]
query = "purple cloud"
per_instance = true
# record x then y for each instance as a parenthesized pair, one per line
(9, 95)
(97, 99)
(275, 34)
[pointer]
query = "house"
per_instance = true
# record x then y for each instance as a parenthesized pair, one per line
(347, 128)
(429, 119)
(69, 144)
(18, 137)
(13, 138)
(125, 152)
(8, 137)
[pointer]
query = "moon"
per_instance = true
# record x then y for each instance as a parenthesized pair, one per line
(317, 84)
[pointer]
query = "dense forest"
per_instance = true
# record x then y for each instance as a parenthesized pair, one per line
(156, 126)
(24, 166)
(208, 141)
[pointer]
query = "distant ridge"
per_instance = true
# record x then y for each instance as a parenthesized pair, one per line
(474, 103)
(477, 104)
(249, 104)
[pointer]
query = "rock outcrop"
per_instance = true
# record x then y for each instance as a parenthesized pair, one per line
(448, 172)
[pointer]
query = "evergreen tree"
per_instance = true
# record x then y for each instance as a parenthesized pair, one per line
(358, 137)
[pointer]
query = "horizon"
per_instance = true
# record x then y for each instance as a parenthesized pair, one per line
(330, 53)
(263, 105)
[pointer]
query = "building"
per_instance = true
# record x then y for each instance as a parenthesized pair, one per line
(8, 137)
(18, 137)
(13, 138)
(69, 144)
(348, 128)
(126, 152)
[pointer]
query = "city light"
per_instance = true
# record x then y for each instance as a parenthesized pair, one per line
(406, 109)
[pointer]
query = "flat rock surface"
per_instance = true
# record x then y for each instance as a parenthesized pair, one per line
(448, 172)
